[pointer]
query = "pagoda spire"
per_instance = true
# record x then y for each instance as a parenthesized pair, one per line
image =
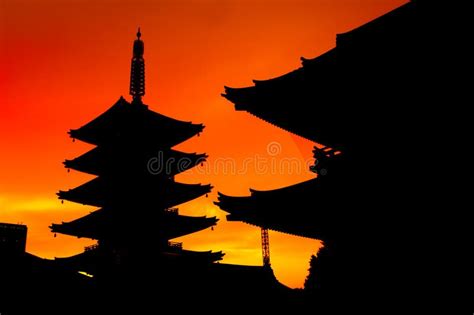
(137, 74)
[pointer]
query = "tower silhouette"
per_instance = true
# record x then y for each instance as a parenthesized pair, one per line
(134, 188)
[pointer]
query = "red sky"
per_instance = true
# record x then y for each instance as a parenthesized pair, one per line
(64, 62)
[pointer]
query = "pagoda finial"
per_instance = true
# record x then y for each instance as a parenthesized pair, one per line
(137, 75)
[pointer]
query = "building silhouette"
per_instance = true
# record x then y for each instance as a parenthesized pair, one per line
(134, 188)
(368, 102)
(135, 259)
(12, 239)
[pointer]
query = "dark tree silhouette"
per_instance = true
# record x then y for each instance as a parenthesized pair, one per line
(311, 280)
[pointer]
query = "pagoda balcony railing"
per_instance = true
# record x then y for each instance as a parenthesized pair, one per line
(175, 245)
(172, 211)
(91, 247)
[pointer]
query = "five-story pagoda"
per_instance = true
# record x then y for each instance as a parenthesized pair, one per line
(135, 187)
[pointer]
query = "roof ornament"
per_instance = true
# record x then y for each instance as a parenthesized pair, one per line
(137, 73)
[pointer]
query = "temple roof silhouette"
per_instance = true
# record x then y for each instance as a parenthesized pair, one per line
(300, 209)
(102, 160)
(304, 209)
(349, 99)
(103, 223)
(100, 192)
(285, 100)
(128, 121)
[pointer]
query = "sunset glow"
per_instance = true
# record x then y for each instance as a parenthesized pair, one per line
(65, 62)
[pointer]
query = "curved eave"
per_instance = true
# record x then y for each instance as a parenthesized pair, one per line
(137, 121)
(322, 61)
(246, 97)
(296, 188)
(152, 135)
(90, 193)
(241, 97)
(235, 205)
(92, 169)
(281, 81)
(185, 225)
(181, 162)
(313, 129)
(98, 192)
(246, 104)
(93, 225)
(96, 162)
(304, 227)
(280, 209)
(185, 193)
(72, 196)
(71, 230)
(98, 224)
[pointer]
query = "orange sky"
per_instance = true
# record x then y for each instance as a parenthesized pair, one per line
(64, 62)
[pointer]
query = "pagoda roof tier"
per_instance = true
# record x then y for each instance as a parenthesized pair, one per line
(293, 209)
(103, 159)
(104, 223)
(325, 85)
(174, 226)
(100, 192)
(134, 123)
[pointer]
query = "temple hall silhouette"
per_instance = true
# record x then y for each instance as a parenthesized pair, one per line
(368, 104)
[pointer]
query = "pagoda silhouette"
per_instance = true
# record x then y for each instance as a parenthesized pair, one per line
(134, 260)
(138, 218)
(134, 188)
